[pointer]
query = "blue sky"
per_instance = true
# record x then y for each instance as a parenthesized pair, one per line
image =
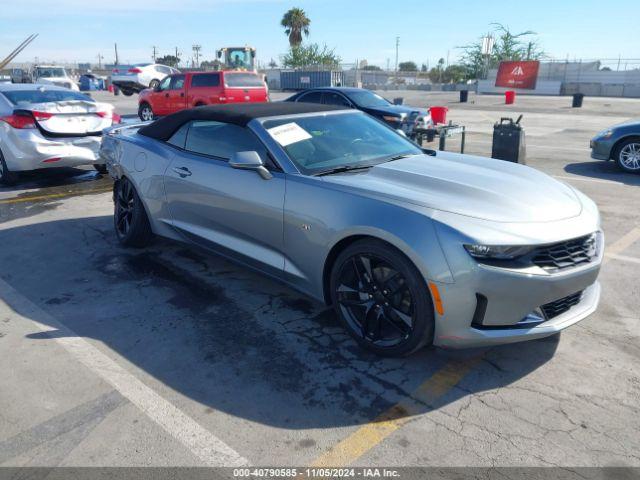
(78, 30)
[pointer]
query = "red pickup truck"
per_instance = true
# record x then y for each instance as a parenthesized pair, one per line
(193, 89)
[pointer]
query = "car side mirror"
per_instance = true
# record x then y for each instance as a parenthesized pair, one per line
(250, 161)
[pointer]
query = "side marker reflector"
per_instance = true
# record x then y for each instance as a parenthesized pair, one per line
(435, 293)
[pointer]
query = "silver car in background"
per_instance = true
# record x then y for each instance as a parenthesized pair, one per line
(412, 247)
(44, 126)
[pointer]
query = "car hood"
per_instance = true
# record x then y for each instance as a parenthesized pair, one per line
(478, 187)
(635, 122)
(396, 109)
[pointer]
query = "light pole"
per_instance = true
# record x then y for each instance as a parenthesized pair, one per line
(196, 54)
(396, 69)
(487, 49)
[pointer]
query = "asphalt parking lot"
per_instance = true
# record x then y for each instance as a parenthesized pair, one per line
(171, 356)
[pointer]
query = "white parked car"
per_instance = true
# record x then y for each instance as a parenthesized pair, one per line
(44, 126)
(53, 75)
(135, 78)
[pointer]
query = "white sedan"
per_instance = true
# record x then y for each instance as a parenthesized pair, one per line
(44, 126)
(135, 78)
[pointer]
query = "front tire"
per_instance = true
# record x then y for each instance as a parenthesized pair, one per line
(7, 177)
(145, 112)
(382, 299)
(627, 155)
(127, 93)
(129, 217)
(101, 169)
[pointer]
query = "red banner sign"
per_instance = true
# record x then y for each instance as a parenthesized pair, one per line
(518, 74)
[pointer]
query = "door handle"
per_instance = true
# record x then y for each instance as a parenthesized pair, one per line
(182, 94)
(182, 171)
(166, 95)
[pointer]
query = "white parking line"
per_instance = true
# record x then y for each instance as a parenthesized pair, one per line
(584, 179)
(200, 441)
(624, 242)
(622, 258)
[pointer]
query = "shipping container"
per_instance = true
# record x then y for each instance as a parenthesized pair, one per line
(301, 80)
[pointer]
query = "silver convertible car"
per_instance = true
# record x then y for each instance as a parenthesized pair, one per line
(411, 247)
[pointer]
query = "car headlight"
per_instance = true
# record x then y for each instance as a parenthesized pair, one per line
(392, 118)
(605, 134)
(498, 252)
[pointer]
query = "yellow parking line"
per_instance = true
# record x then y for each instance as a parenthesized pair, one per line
(371, 434)
(37, 198)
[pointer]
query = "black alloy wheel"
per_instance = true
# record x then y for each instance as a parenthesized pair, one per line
(130, 218)
(382, 300)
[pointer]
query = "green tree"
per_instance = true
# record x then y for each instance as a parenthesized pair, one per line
(508, 46)
(408, 66)
(169, 60)
(295, 22)
(312, 54)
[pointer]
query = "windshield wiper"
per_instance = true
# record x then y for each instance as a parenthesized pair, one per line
(345, 168)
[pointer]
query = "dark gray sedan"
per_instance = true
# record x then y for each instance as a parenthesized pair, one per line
(411, 247)
(620, 143)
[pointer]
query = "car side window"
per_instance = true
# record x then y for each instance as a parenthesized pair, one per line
(178, 82)
(163, 69)
(205, 80)
(179, 138)
(221, 140)
(311, 97)
(332, 98)
(164, 84)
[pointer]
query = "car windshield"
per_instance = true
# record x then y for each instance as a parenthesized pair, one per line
(242, 80)
(323, 142)
(366, 98)
(50, 72)
(27, 97)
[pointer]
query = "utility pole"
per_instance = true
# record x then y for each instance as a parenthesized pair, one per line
(100, 57)
(196, 55)
(115, 46)
(155, 53)
(396, 69)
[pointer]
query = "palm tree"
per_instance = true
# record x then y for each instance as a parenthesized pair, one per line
(295, 23)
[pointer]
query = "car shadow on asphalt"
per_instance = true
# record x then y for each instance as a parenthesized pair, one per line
(226, 337)
(602, 170)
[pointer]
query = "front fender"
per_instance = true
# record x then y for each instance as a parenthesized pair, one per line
(317, 219)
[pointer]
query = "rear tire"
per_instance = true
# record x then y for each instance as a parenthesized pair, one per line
(129, 217)
(7, 177)
(627, 155)
(153, 84)
(127, 93)
(145, 112)
(382, 299)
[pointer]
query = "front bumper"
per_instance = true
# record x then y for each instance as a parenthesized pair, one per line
(490, 305)
(30, 150)
(600, 150)
(477, 337)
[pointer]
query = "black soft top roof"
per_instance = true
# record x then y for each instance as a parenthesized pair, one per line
(238, 114)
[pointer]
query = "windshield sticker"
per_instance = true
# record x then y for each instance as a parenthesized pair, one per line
(289, 133)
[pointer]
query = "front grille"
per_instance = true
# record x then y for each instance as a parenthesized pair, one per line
(567, 254)
(553, 309)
